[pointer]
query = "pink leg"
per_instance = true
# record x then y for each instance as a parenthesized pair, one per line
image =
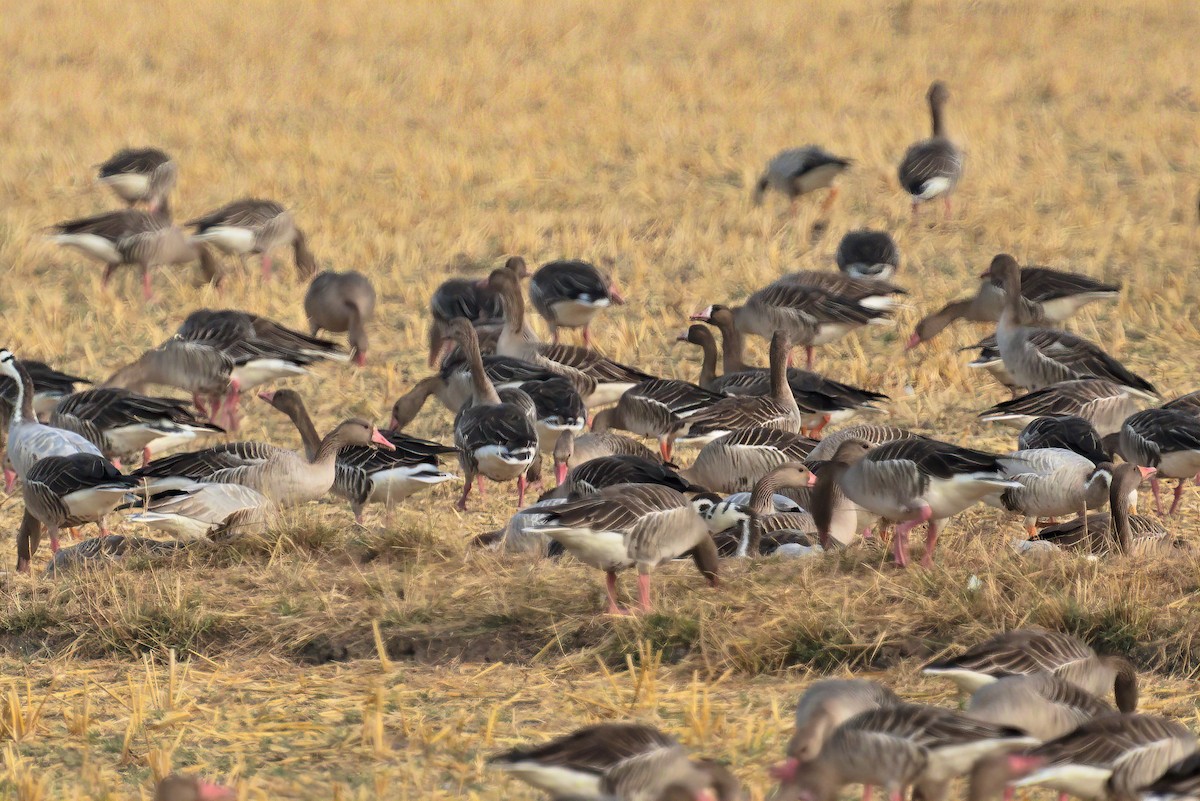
(146, 291)
(610, 584)
(1178, 496)
(824, 422)
(1155, 490)
(897, 795)
(116, 463)
(479, 484)
(198, 402)
(946, 204)
(866, 792)
(10, 480)
(75, 533)
(522, 483)
(358, 516)
(266, 266)
(1008, 793)
(54, 540)
(664, 448)
(587, 337)
(930, 543)
(462, 502)
(808, 357)
(644, 591)
(900, 543)
(1064, 797)
(145, 456)
(867, 533)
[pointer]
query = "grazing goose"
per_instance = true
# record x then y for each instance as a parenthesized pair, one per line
(629, 525)
(558, 409)
(568, 294)
(1064, 431)
(800, 170)
(469, 298)
(1036, 650)
(140, 175)
(190, 788)
(516, 537)
(896, 746)
(496, 440)
(138, 239)
(736, 461)
(194, 511)
(763, 520)
(810, 316)
(365, 474)
(1051, 482)
(933, 166)
(1165, 439)
(1041, 704)
(1119, 531)
(1047, 296)
(731, 513)
(249, 227)
(871, 433)
(868, 254)
(341, 302)
(453, 386)
(1180, 782)
(915, 481)
(67, 491)
(602, 379)
(573, 450)
(656, 408)
(607, 471)
(1103, 404)
(194, 367)
(28, 440)
(1039, 357)
(122, 423)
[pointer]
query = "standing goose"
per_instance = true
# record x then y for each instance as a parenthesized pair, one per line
(573, 450)
(603, 379)
(1119, 531)
(1041, 704)
(249, 227)
(558, 409)
(67, 491)
(1039, 357)
(896, 746)
(49, 387)
(341, 302)
(798, 171)
(197, 368)
(1051, 482)
(568, 294)
(1167, 440)
(1047, 296)
(1103, 404)
(656, 408)
(122, 423)
(873, 293)
(1035, 650)
(915, 481)
(135, 238)
(736, 461)
(453, 385)
(871, 434)
(365, 474)
(469, 298)
(868, 254)
(933, 166)
(630, 525)
(140, 175)
(494, 439)
(1064, 431)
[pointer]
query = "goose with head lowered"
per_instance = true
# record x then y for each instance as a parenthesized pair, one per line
(628, 525)
(1041, 704)
(469, 298)
(569, 294)
(1052, 482)
(797, 171)
(573, 450)
(341, 303)
(1103, 404)
(762, 521)
(453, 386)
(1067, 431)
(932, 167)
(1167, 440)
(251, 226)
(602, 379)
(656, 408)
(607, 471)
(140, 175)
(868, 254)
(736, 461)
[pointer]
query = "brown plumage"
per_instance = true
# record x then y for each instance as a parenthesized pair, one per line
(341, 302)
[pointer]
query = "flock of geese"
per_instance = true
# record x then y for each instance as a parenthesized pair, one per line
(1036, 716)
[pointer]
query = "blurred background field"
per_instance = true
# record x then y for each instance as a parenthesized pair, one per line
(416, 141)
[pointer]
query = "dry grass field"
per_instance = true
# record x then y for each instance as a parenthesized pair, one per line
(419, 140)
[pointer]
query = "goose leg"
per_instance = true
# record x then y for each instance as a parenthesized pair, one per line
(468, 478)
(75, 534)
(146, 455)
(479, 484)
(53, 539)
(116, 462)
(899, 543)
(266, 267)
(808, 356)
(866, 796)
(358, 512)
(28, 538)
(946, 206)
(587, 336)
(147, 293)
(825, 418)
(1155, 490)
(664, 448)
(10, 480)
(931, 535)
(1009, 792)
(522, 483)
(644, 591)
(828, 204)
(198, 402)
(109, 269)
(610, 584)
(1178, 496)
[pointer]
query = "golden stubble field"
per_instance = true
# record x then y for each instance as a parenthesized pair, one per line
(413, 138)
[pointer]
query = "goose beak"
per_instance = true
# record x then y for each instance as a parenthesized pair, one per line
(812, 479)
(615, 295)
(393, 424)
(381, 440)
(359, 358)
(268, 396)
(913, 341)
(560, 473)
(1147, 471)
(682, 336)
(702, 316)
(785, 771)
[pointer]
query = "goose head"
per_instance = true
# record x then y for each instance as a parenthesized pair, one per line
(190, 788)
(1005, 273)
(8, 365)
(356, 431)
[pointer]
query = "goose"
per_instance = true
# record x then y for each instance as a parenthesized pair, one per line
(1036, 650)
(870, 433)
(365, 474)
(1103, 404)
(1165, 439)
(1064, 431)
(469, 298)
(49, 387)
(140, 175)
(515, 537)
(731, 513)
(182, 470)
(628, 525)
(603, 379)
(932, 167)
(122, 423)
(340, 302)
(868, 254)
(176, 787)
(872, 293)
(736, 461)
(194, 511)
(1039, 357)
(836, 518)
(194, 367)
(1118, 531)
(251, 226)
(1043, 705)
(1051, 482)
(810, 316)
(608, 471)
(1047, 296)
(558, 409)
(569, 294)
(496, 440)
(67, 491)
(915, 481)
(28, 440)
(825, 705)
(656, 408)
(800, 170)
(1189, 403)
(138, 239)
(896, 746)
(988, 358)
(763, 520)
(1179, 782)
(453, 386)
(573, 450)
(112, 548)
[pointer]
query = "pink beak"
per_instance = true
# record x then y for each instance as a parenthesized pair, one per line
(1022, 765)
(702, 316)
(785, 771)
(394, 425)
(812, 479)
(267, 396)
(360, 358)
(214, 792)
(1147, 471)
(615, 295)
(560, 473)
(682, 337)
(913, 341)
(380, 440)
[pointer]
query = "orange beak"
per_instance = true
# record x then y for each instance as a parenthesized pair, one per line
(560, 473)
(382, 441)
(267, 395)
(702, 316)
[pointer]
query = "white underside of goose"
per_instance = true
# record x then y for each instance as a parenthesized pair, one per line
(606, 550)
(1084, 781)
(819, 178)
(955, 760)
(548, 433)
(879, 272)
(1179, 464)
(578, 312)
(558, 781)
(702, 439)
(178, 526)
(127, 439)
(794, 550)
(881, 303)
(90, 245)
(174, 440)
(501, 464)
(257, 372)
(1059, 309)
(933, 187)
(1018, 420)
(129, 186)
(967, 681)
(390, 486)
(230, 240)
(948, 497)
(605, 394)
(94, 501)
